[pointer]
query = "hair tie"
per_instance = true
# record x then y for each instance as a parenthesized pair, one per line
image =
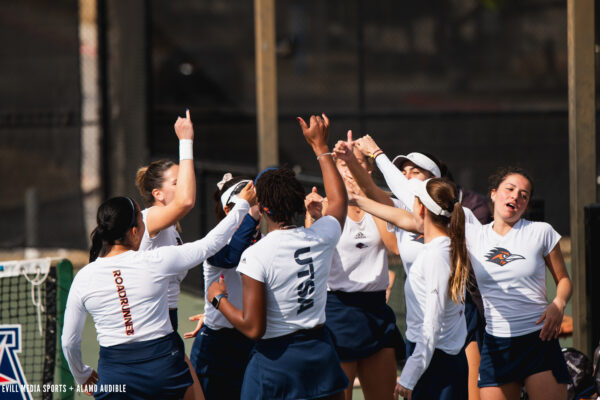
(266, 209)
(132, 223)
(226, 178)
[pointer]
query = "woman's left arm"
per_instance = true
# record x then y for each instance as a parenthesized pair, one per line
(252, 319)
(553, 315)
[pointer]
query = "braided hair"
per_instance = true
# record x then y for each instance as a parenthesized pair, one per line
(280, 195)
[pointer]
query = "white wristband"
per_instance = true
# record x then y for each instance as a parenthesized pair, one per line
(186, 149)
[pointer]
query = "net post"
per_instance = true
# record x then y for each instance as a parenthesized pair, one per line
(64, 277)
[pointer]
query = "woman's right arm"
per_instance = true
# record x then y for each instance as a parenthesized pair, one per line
(316, 136)
(175, 259)
(394, 178)
(75, 315)
(401, 218)
(159, 218)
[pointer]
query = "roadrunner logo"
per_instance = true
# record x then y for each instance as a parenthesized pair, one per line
(501, 256)
(12, 380)
(417, 238)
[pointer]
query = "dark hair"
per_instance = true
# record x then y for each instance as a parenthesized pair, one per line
(219, 212)
(115, 217)
(151, 177)
(280, 195)
(445, 194)
(502, 173)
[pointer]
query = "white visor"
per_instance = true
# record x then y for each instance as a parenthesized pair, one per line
(419, 189)
(420, 160)
(228, 196)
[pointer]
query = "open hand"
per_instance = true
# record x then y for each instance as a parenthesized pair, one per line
(192, 334)
(184, 128)
(316, 134)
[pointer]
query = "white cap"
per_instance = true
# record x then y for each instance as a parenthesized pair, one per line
(419, 189)
(420, 160)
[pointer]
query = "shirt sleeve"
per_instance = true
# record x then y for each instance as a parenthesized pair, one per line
(75, 314)
(229, 256)
(251, 266)
(436, 287)
(395, 180)
(171, 260)
(328, 228)
(549, 238)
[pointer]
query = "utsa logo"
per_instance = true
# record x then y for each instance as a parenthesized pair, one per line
(501, 256)
(12, 379)
(361, 245)
(417, 238)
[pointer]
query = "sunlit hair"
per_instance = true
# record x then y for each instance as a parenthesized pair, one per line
(445, 194)
(151, 177)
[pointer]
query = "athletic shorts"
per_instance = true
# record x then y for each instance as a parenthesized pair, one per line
(301, 365)
(475, 322)
(219, 358)
(361, 324)
(153, 369)
(446, 377)
(512, 359)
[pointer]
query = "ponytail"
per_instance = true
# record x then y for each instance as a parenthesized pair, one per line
(460, 264)
(445, 194)
(97, 245)
(115, 217)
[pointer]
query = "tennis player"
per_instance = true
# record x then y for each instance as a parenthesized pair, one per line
(284, 281)
(125, 291)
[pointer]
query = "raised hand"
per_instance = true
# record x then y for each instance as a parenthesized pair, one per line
(316, 134)
(314, 204)
(184, 128)
(248, 193)
(366, 145)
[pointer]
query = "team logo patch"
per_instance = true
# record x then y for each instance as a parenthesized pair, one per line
(12, 380)
(361, 245)
(360, 235)
(501, 256)
(416, 237)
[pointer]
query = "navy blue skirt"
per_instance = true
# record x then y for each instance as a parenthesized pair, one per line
(361, 324)
(219, 358)
(506, 360)
(446, 377)
(475, 322)
(153, 369)
(302, 365)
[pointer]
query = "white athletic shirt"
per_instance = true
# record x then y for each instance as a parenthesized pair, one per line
(359, 263)
(166, 237)
(213, 317)
(511, 274)
(433, 320)
(126, 294)
(294, 265)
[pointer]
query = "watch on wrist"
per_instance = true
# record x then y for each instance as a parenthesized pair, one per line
(217, 299)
